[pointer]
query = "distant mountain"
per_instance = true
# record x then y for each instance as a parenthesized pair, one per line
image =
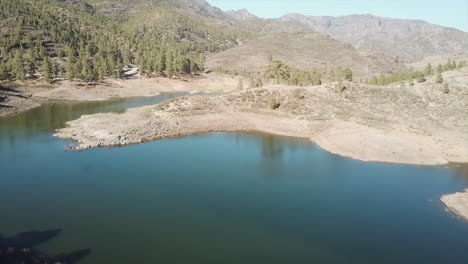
(241, 15)
(411, 40)
(91, 39)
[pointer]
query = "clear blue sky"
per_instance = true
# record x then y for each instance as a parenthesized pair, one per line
(449, 13)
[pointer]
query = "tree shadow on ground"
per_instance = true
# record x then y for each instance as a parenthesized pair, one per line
(6, 91)
(20, 249)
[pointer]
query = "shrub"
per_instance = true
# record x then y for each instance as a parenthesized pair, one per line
(340, 87)
(446, 89)
(439, 78)
(419, 76)
(298, 94)
(255, 82)
(272, 103)
(240, 85)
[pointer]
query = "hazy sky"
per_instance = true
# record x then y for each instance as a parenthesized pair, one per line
(450, 13)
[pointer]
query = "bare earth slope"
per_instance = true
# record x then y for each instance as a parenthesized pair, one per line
(304, 50)
(19, 97)
(401, 124)
(411, 40)
(457, 202)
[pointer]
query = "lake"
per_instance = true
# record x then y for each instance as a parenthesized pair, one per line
(221, 198)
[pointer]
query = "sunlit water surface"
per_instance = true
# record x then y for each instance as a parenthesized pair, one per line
(221, 198)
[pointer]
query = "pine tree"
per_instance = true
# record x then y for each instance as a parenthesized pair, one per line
(170, 64)
(55, 69)
(194, 67)
(18, 66)
(3, 71)
(70, 69)
(439, 78)
(119, 70)
(446, 89)
(240, 85)
(85, 69)
(46, 69)
(428, 70)
(419, 76)
(454, 65)
(185, 66)
(348, 74)
(160, 66)
(70, 64)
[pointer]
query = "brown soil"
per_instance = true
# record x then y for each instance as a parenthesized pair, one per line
(21, 96)
(401, 124)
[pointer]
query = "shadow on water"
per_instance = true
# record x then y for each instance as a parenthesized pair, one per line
(20, 248)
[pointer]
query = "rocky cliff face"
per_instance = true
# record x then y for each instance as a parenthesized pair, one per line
(241, 14)
(411, 40)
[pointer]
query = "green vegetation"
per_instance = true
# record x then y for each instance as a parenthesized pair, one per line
(439, 78)
(343, 74)
(285, 74)
(74, 40)
(428, 70)
(446, 89)
(461, 64)
(397, 77)
(255, 82)
(417, 76)
(273, 104)
(340, 87)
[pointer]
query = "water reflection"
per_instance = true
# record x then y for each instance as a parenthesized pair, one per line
(21, 248)
(252, 196)
(49, 117)
(461, 171)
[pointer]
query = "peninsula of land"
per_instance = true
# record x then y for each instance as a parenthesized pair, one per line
(417, 124)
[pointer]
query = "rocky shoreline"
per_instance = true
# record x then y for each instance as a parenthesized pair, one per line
(457, 203)
(21, 96)
(399, 124)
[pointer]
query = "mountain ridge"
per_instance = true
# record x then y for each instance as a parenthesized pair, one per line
(409, 39)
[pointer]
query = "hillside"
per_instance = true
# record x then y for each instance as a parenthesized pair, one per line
(241, 15)
(417, 124)
(411, 40)
(91, 41)
(303, 50)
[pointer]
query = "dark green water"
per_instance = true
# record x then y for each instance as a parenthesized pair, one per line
(221, 198)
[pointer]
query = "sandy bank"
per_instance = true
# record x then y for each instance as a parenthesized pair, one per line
(457, 202)
(23, 96)
(399, 124)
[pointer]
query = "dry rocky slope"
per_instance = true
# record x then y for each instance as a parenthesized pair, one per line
(303, 50)
(21, 96)
(457, 202)
(401, 124)
(411, 40)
